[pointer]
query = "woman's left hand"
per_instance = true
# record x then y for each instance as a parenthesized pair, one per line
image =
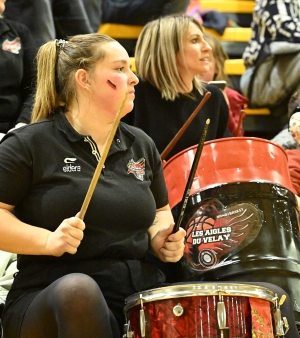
(168, 247)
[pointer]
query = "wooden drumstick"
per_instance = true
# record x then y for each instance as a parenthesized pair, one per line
(188, 187)
(100, 164)
(176, 138)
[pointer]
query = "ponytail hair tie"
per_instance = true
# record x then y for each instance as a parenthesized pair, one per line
(60, 44)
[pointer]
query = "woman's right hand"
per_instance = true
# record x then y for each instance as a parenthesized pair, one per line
(66, 238)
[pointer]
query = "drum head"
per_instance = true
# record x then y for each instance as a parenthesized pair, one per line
(200, 289)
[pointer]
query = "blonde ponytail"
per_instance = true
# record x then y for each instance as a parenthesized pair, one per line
(46, 99)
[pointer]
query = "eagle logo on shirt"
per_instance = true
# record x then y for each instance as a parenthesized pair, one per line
(137, 168)
(12, 46)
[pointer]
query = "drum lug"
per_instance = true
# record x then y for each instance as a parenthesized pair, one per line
(221, 316)
(178, 310)
(281, 324)
(127, 332)
(142, 319)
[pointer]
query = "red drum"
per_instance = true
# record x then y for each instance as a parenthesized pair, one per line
(207, 310)
(227, 160)
(241, 217)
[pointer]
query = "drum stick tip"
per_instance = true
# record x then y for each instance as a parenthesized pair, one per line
(208, 121)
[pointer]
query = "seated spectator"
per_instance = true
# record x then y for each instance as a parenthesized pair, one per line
(272, 57)
(216, 72)
(170, 53)
(294, 153)
(284, 137)
(49, 19)
(17, 73)
(129, 12)
(289, 139)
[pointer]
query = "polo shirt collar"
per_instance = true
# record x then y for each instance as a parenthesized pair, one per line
(64, 125)
(124, 137)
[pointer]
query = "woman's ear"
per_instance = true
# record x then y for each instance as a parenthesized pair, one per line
(82, 79)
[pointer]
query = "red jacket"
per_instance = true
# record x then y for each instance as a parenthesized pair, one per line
(236, 103)
(294, 168)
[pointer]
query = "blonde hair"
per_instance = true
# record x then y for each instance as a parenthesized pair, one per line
(57, 62)
(219, 55)
(155, 55)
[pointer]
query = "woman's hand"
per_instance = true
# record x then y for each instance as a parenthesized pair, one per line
(168, 247)
(66, 238)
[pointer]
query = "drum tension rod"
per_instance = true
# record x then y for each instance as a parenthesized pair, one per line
(142, 319)
(221, 316)
(281, 324)
(127, 333)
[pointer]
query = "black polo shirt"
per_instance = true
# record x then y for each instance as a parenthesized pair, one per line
(45, 171)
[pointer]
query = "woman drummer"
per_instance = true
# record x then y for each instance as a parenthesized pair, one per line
(74, 276)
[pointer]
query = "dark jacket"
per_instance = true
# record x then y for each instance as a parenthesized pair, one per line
(161, 119)
(17, 74)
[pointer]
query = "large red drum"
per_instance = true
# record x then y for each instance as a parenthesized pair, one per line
(227, 160)
(206, 310)
(242, 216)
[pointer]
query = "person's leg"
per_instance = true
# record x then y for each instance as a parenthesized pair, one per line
(73, 306)
(70, 18)
(93, 10)
(175, 6)
(139, 12)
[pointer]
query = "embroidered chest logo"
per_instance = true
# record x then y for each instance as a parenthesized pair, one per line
(137, 168)
(70, 167)
(12, 46)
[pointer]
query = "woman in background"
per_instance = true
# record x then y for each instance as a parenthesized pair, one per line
(234, 99)
(170, 53)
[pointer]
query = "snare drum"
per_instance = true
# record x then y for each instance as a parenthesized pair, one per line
(207, 310)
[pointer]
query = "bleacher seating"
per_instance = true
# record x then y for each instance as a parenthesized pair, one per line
(229, 6)
(118, 31)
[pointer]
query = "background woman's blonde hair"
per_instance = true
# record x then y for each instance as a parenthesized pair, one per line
(155, 55)
(219, 55)
(57, 63)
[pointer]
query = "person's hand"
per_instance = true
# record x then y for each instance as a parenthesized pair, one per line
(168, 247)
(66, 238)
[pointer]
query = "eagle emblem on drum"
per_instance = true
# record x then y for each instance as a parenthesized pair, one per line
(214, 232)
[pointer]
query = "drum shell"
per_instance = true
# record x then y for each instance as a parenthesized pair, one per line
(274, 255)
(199, 302)
(227, 160)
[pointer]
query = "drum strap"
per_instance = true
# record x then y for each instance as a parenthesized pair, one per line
(261, 318)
